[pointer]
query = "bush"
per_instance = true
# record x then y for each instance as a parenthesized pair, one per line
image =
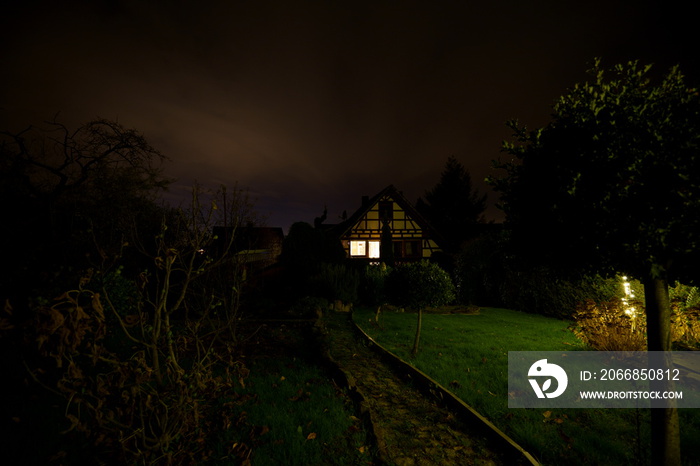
(685, 326)
(606, 327)
(685, 317)
(136, 364)
(116, 405)
(541, 291)
(684, 296)
(487, 273)
(418, 285)
(373, 284)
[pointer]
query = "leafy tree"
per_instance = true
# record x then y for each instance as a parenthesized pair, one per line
(304, 250)
(418, 285)
(386, 245)
(139, 361)
(64, 188)
(610, 185)
(374, 289)
(453, 205)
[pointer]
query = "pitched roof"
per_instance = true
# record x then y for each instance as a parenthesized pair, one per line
(343, 228)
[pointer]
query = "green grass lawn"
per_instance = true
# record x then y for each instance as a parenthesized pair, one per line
(294, 415)
(468, 354)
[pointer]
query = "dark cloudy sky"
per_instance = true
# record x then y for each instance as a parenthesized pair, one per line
(313, 103)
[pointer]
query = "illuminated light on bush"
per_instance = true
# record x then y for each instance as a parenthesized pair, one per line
(629, 294)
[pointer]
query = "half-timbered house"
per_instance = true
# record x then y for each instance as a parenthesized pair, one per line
(387, 217)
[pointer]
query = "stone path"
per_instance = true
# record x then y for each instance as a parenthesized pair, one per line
(410, 429)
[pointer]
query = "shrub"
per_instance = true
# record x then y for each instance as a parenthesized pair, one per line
(541, 291)
(685, 326)
(373, 284)
(136, 363)
(684, 296)
(487, 273)
(116, 403)
(685, 317)
(418, 285)
(606, 327)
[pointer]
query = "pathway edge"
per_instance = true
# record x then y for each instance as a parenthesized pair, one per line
(430, 386)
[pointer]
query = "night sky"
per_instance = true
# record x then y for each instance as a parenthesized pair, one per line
(318, 103)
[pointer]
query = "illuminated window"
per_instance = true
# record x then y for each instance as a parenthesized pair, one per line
(357, 248)
(374, 249)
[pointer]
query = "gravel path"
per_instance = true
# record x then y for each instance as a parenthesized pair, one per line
(410, 429)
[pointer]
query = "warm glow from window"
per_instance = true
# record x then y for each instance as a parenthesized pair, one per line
(357, 248)
(374, 249)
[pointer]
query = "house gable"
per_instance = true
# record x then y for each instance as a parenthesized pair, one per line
(412, 237)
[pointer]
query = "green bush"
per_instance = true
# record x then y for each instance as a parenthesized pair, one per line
(418, 285)
(614, 326)
(606, 326)
(685, 318)
(488, 273)
(541, 291)
(685, 296)
(373, 284)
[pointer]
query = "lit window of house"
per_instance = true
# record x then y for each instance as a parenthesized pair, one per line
(357, 248)
(362, 248)
(374, 249)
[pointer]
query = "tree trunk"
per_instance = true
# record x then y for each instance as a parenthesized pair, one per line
(658, 314)
(414, 351)
(665, 431)
(386, 245)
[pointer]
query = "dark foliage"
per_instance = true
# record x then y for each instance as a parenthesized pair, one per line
(610, 183)
(73, 197)
(453, 206)
(373, 288)
(489, 273)
(304, 251)
(417, 285)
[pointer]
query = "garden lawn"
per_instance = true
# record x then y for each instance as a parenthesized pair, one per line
(294, 415)
(468, 354)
